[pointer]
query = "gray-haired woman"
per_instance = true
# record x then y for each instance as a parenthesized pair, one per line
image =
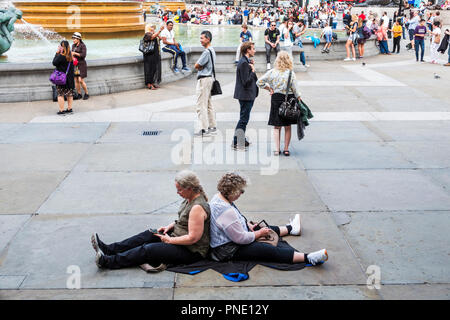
(234, 238)
(184, 241)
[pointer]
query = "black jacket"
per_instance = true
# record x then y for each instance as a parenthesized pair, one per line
(444, 44)
(245, 88)
(61, 63)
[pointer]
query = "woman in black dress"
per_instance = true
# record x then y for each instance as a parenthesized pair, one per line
(63, 62)
(276, 82)
(152, 60)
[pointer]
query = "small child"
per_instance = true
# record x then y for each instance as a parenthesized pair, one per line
(328, 34)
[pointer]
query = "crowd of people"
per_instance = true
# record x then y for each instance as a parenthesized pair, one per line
(284, 29)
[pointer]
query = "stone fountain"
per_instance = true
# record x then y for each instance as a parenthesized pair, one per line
(7, 19)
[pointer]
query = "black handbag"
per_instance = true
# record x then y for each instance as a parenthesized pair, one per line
(146, 47)
(216, 89)
(289, 108)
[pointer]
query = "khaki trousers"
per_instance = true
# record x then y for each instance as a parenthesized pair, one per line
(206, 117)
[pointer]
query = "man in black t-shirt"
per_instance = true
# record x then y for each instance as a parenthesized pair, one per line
(272, 41)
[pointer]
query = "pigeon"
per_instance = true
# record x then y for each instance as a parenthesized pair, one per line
(363, 64)
(436, 76)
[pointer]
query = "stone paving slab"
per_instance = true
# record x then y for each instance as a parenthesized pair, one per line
(416, 292)
(112, 192)
(440, 176)
(48, 245)
(415, 130)
(319, 231)
(89, 294)
(337, 131)
(40, 157)
(8, 129)
(425, 154)
(132, 132)
(25, 192)
(380, 190)
(277, 293)
(299, 196)
(409, 247)
(10, 282)
(412, 103)
(321, 103)
(350, 155)
(57, 133)
(398, 92)
(130, 157)
(219, 156)
(9, 226)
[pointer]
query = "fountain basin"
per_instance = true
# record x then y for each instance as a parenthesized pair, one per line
(30, 81)
(91, 17)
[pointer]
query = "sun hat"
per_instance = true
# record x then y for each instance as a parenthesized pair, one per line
(76, 35)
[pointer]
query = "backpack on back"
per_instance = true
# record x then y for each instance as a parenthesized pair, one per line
(366, 32)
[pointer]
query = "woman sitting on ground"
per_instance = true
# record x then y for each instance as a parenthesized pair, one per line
(234, 238)
(184, 241)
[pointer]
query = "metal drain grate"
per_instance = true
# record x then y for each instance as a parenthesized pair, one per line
(151, 133)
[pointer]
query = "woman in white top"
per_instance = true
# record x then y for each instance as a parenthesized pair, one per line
(435, 41)
(276, 81)
(232, 237)
(287, 36)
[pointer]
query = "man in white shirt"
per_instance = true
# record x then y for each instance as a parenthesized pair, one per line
(173, 47)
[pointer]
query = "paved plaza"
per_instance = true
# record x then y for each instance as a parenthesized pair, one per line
(371, 180)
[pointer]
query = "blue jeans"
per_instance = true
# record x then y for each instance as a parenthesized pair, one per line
(244, 117)
(302, 54)
(384, 46)
(176, 53)
(419, 43)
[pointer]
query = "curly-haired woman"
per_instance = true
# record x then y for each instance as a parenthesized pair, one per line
(234, 238)
(184, 241)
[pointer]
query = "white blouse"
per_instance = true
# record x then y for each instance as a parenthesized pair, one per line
(277, 80)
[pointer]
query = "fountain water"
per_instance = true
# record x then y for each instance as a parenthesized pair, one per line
(36, 31)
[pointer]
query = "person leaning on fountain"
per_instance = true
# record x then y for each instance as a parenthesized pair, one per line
(79, 52)
(173, 47)
(63, 61)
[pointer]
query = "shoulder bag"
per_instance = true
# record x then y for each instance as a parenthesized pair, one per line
(289, 108)
(216, 89)
(59, 78)
(147, 47)
(272, 238)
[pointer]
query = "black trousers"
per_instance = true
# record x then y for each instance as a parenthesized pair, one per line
(259, 251)
(145, 247)
(396, 43)
(269, 50)
(244, 117)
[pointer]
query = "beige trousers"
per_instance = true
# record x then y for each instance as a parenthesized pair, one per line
(206, 116)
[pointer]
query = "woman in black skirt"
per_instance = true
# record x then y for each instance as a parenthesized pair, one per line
(152, 60)
(276, 81)
(63, 62)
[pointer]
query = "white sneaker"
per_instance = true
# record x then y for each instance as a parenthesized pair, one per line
(94, 243)
(318, 257)
(347, 59)
(98, 255)
(268, 66)
(296, 225)
(354, 59)
(306, 65)
(212, 131)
